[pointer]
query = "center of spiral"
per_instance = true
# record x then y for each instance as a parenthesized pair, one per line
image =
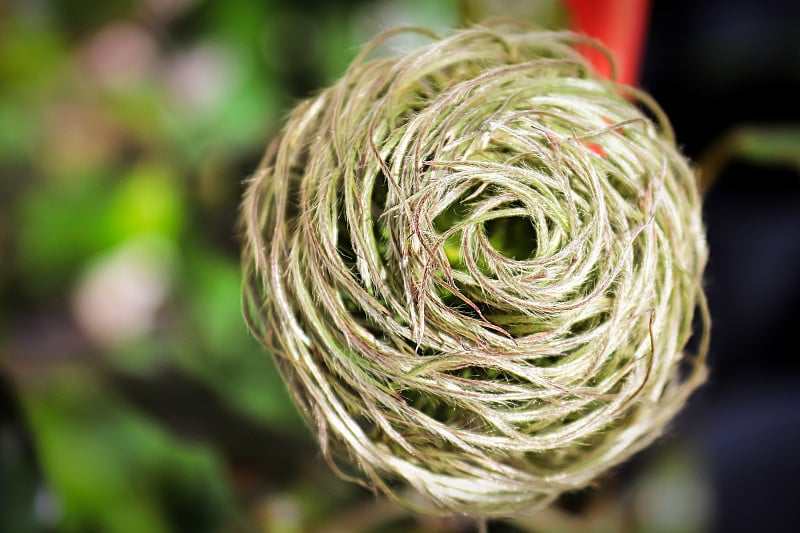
(512, 237)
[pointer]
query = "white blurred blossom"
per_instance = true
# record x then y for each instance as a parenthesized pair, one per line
(119, 296)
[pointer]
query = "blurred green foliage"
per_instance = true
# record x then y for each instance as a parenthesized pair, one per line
(113, 471)
(127, 129)
(758, 145)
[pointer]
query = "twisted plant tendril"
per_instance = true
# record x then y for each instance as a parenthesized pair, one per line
(477, 265)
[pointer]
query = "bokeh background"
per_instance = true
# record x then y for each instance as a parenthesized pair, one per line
(132, 398)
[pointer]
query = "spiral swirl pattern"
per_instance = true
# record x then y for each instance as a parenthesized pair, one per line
(477, 265)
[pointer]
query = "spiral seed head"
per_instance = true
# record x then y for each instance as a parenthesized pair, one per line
(477, 265)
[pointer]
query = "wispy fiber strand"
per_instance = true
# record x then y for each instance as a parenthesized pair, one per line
(477, 266)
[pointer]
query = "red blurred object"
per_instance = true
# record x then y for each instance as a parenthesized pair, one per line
(620, 25)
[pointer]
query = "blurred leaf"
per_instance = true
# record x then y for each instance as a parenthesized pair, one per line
(240, 22)
(768, 146)
(62, 225)
(31, 56)
(338, 47)
(247, 116)
(550, 14)
(147, 202)
(58, 227)
(115, 472)
(142, 112)
(762, 146)
(230, 359)
(214, 303)
(18, 133)
(251, 95)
